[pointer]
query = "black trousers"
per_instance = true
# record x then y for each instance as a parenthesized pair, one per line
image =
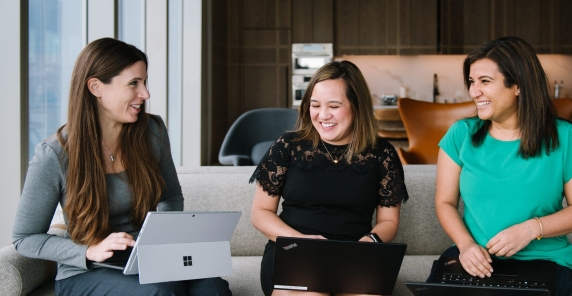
(563, 275)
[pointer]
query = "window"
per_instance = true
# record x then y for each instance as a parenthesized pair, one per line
(56, 36)
(131, 22)
(175, 72)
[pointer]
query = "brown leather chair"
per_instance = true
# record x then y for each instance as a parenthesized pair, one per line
(563, 108)
(426, 123)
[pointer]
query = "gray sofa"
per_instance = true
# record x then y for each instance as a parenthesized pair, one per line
(227, 188)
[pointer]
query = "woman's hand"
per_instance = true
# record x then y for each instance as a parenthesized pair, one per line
(104, 249)
(475, 260)
(509, 241)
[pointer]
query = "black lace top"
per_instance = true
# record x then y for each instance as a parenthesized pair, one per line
(322, 197)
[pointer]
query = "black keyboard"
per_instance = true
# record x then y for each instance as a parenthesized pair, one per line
(467, 280)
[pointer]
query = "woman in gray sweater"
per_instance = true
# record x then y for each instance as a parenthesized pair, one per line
(107, 167)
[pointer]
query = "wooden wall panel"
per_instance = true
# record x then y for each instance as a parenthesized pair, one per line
(563, 26)
(346, 22)
(372, 26)
(312, 21)
(301, 22)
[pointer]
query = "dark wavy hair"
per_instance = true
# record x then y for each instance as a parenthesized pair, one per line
(364, 133)
(520, 66)
(86, 206)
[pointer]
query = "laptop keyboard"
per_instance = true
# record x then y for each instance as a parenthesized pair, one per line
(467, 280)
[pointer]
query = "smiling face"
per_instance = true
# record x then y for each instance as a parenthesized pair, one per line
(494, 100)
(121, 100)
(331, 111)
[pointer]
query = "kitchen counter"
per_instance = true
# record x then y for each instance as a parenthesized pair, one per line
(376, 107)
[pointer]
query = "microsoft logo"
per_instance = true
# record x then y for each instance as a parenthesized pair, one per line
(188, 260)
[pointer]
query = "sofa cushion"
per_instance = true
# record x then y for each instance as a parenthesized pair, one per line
(225, 189)
(245, 278)
(415, 268)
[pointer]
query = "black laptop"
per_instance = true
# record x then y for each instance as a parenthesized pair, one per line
(509, 278)
(333, 266)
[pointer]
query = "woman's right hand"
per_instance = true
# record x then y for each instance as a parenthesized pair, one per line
(475, 260)
(104, 249)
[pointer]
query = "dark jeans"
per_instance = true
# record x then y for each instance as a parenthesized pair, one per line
(107, 281)
(563, 276)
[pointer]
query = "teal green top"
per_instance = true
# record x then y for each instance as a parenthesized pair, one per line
(501, 189)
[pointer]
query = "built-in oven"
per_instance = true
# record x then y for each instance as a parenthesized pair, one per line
(299, 85)
(307, 58)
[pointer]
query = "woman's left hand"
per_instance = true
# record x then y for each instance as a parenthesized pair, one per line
(509, 241)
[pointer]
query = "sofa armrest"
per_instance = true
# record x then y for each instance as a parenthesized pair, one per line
(20, 275)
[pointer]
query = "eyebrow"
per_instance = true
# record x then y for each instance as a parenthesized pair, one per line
(331, 101)
(483, 76)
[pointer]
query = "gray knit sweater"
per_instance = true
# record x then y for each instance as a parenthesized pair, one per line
(45, 187)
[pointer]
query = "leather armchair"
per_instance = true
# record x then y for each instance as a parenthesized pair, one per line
(426, 123)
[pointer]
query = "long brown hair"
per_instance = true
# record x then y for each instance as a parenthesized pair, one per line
(365, 126)
(520, 66)
(86, 206)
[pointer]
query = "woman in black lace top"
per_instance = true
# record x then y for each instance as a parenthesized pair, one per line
(332, 170)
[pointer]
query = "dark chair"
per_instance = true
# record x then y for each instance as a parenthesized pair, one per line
(252, 133)
(426, 123)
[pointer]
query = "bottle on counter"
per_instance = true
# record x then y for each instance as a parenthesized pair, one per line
(403, 92)
(556, 90)
(435, 88)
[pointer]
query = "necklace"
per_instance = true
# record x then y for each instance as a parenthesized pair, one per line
(110, 155)
(337, 159)
(500, 131)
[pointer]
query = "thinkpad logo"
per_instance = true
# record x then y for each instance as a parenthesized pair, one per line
(188, 260)
(290, 246)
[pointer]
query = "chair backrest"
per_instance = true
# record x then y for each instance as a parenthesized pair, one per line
(426, 123)
(563, 107)
(251, 128)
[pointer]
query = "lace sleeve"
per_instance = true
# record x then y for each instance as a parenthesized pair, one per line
(271, 171)
(392, 189)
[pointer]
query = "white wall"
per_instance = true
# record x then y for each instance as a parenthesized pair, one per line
(11, 151)
(386, 74)
(192, 56)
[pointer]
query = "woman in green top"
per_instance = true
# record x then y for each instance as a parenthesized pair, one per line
(512, 164)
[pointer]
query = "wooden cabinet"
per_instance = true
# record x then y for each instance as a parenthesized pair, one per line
(312, 21)
(464, 24)
(562, 18)
(385, 27)
(417, 27)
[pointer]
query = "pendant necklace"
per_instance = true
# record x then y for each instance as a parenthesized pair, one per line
(337, 159)
(110, 155)
(507, 130)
